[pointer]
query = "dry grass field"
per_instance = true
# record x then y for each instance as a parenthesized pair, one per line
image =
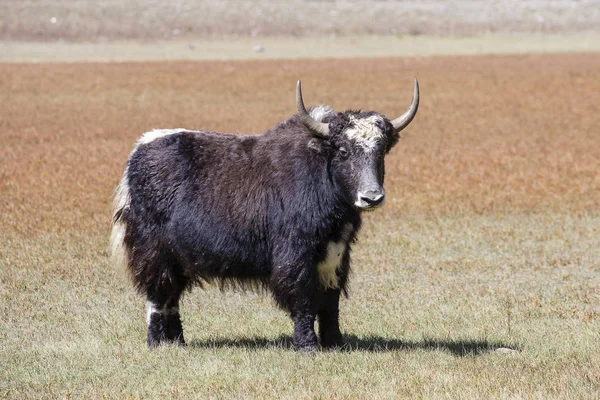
(490, 237)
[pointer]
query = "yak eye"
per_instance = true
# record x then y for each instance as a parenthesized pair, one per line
(343, 152)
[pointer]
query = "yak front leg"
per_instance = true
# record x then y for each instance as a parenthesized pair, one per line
(329, 326)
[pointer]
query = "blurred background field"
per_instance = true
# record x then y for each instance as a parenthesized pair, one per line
(81, 30)
(84, 20)
(490, 237)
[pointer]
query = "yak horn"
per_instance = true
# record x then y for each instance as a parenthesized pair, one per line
(402, 121)
(320, 129)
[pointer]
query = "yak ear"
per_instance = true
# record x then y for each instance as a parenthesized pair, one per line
(393, 140)
(316, 145)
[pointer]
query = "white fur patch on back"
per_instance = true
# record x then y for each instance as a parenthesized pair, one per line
(335, 251)
(157, 134)
(320, 112)
(365, 131)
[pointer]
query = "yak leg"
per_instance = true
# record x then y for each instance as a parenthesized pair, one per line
(173, 319)
(329, 326)
(162, 313)
(305, 338)
(164, 322)
(294, 286)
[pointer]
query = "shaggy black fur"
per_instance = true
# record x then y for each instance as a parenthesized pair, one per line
(247, 209)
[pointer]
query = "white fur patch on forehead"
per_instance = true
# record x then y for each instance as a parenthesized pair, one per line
(364, 131)
(320, 112)
(157, 134)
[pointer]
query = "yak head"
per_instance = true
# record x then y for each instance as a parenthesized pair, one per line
(355, 143)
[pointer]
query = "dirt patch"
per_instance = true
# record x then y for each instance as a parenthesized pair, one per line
(495, 134)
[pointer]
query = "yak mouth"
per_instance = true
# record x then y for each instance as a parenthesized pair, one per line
(367, 208)
(368, 204)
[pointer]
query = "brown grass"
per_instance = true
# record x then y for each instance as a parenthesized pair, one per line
(494, 134)
(493, 197)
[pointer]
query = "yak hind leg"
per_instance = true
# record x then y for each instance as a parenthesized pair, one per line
(164, 322)
(162, 313)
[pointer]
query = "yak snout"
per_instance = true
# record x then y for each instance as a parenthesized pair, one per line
(370, 198)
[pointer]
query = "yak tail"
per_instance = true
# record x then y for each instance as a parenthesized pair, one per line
(120, 253)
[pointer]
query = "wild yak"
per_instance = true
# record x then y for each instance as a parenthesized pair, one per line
(279, 210)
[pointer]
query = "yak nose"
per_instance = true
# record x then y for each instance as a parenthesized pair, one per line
(372, 198)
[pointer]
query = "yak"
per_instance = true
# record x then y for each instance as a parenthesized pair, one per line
(279, 210)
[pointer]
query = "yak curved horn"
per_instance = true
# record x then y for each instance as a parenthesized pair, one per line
(320, 129)
(402, 121)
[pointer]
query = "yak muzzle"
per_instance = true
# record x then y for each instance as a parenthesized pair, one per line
(371, 198)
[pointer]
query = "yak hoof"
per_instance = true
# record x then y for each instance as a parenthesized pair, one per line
(334, 345)
(308, 350)
(332, 340)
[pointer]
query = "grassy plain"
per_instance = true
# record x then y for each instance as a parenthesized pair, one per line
(490, 237)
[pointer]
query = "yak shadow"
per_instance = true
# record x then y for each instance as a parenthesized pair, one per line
(373, 344)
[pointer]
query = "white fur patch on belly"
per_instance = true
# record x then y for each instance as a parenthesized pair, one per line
(335, 252)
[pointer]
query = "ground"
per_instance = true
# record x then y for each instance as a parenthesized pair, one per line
(479, 278)
(489, 238)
